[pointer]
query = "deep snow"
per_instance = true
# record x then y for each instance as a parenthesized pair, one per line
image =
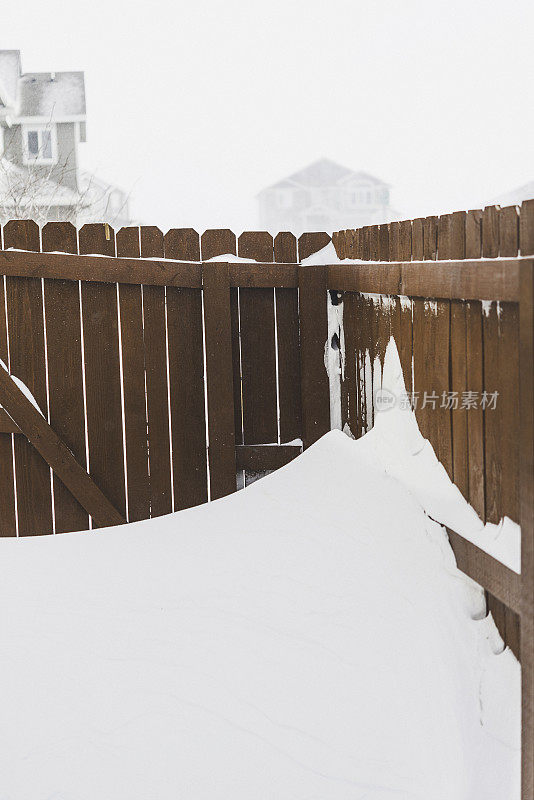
(307, 637)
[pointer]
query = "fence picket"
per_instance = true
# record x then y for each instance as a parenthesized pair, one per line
(27, 362)
(8, 522)
(133, 372)
(102, 372)
(186, 376)
(490, 232)
(258, 353)
(219, 368)
(287, 329)
(65, 371)
(509, 231)
(157, 398)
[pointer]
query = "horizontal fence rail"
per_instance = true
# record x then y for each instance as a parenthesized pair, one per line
(166, 374)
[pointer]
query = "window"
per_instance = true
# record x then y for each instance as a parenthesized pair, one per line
(40, 145)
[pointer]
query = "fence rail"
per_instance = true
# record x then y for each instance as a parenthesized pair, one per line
(165, 378)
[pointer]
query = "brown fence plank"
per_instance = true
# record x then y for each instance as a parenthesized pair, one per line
(374, 243)
(457, 235)
(104, 269)
(186, 375)
(27, 362)
(258, 354)
(417, 239)
(431, 375)
(313, 335)
(475, 414)
(8, 524)
(184, 241)
(102, 372)
(383, 242)
(504, 583)
(349, 396)
(430, 238)
(405, 240)
(473, 233)
(157, 398)
(310, 243)
(65, 372)
(490, 232)
(459, 385)
(444, 237)
(287, 329)
(220, 388)
(501, 374)
(509, 231)
(526, 228)
(218, 242)
(133, 376)
(526, 471)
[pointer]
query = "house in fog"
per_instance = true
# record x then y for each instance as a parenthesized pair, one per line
(42, 125)
(324, 196)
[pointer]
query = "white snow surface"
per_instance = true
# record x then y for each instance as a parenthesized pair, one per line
(396, 441)
(309, 637)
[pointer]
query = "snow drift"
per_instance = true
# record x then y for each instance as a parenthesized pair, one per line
(307, 637)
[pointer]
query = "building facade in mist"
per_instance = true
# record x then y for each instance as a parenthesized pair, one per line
(42, 124)
(324, 196)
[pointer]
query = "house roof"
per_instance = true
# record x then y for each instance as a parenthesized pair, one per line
(49, 95)
(324, 173)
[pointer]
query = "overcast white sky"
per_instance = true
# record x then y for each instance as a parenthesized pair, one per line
(197, 105)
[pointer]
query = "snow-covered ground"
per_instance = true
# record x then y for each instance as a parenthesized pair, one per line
(308, 638)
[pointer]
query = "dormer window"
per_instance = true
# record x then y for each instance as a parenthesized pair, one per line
(40, 144)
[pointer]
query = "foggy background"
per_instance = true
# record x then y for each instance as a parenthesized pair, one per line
(195, 107)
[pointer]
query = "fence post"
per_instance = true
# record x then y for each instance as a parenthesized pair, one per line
(526, 518)
(219, 375)
(315, 391)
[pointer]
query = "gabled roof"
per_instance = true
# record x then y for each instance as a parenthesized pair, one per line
(324, 173)
(51, 95)
(48, 95)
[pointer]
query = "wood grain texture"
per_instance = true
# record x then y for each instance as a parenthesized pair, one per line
(475, 413)
(8, 523)
(219, 374)
(186, 376)
(27, 362)
(65, 372)
(133, 377)
(102, 373)
(431, 325)
(526, 511)
(313, 335)
(287, 335)
(310, 243)
(258, 354)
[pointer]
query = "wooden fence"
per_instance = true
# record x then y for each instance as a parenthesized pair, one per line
(165, 378)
